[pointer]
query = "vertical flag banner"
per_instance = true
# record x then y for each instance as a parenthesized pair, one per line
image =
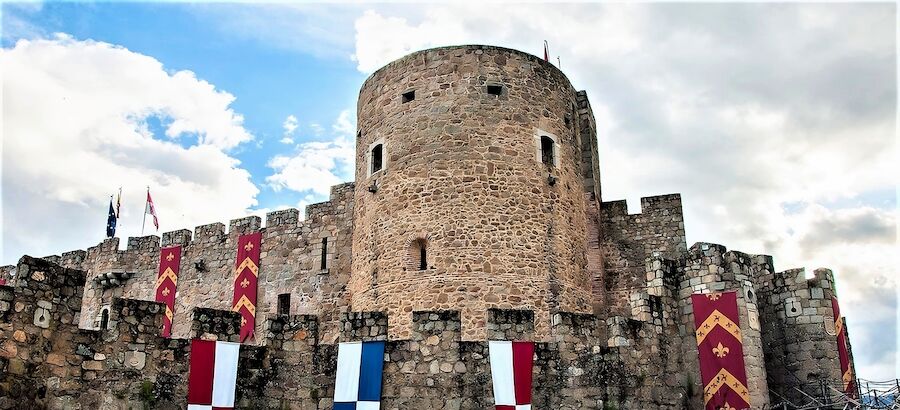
(150, 209)
(721, 351)
(111, 221)
(167, 283)
(511, 364)
(843, 352)
(357, 383)
(246, 274)
(212, 374)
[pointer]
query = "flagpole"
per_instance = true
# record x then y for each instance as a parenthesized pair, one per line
(144, 214)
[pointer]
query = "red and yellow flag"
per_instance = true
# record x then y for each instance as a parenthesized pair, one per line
(246, 273)
(843, 351)
(167, 282)
(721, 351)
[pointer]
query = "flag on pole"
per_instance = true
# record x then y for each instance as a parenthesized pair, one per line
(357, 383)
(119, 204)
(212, 374)
(111, 220)
(546, 52)
(511, 364)
(150, 209)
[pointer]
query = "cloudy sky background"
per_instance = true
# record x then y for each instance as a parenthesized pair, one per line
(776, 122)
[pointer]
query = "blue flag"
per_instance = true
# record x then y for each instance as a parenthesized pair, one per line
(358, 378)
(111, 221)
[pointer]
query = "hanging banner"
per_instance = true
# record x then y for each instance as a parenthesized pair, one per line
(843, 352)
(511, 367)
(721, 351)
(246, 273)
(167, 282)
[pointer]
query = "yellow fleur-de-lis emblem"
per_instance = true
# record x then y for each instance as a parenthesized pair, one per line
(243, 322)
(245, 283)
(248, 246)
(170, 256)
(721, 351)
(714, 296)
(166, 292)
(727, 407)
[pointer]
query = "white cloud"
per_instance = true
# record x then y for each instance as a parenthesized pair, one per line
(76, 127)
(289, 125)
(743, 108)
(345, 126)
(317, 129)
(316, 166)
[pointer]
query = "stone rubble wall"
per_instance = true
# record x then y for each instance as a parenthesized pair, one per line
(627, 240)
(463, 174)
(799, 332)
(51, 363)
(709, 268)
(290, 262)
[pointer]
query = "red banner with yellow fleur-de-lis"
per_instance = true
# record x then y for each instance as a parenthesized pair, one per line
(167, 282)
(843, 351)
(721, 350)
(246, 272)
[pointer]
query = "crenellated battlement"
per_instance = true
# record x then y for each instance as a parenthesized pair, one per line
(124, 363)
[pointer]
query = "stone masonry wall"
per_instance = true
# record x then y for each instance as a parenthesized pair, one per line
(799, 333)
(710, 268)
(290, 262)
(627, 240)
(463, 175)
(50, 363)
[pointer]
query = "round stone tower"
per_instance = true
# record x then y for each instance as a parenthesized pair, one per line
(468, 189)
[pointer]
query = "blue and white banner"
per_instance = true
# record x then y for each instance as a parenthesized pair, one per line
(357, 384)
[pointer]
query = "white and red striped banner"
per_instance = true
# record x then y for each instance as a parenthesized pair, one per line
(511, 364)
(213, 375)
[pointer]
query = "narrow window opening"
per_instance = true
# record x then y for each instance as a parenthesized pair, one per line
(377, 161)
(418, 255)
(284, 304)
(104, 319)
(568, 120)
(547, 150)
(495, 89)
(409, 96)
(423, 258)
(324, 253)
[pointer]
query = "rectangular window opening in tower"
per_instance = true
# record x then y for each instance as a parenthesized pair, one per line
(284, 304)
(547, 151)
(324, 264)
(409, 96)
(495, 89)
(377, 161)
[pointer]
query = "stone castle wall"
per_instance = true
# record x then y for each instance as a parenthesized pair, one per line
(290, 263)
(627, 240)
(799, 334)
(463, 175)
(50, 363)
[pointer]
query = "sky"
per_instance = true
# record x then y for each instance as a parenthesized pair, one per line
(776, 122)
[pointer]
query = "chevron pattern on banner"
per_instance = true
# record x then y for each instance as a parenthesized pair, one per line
(246, 273)
(721, 350)
(167, 283)
(843, 351)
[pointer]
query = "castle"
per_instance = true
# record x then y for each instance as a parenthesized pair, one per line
(476, 214)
